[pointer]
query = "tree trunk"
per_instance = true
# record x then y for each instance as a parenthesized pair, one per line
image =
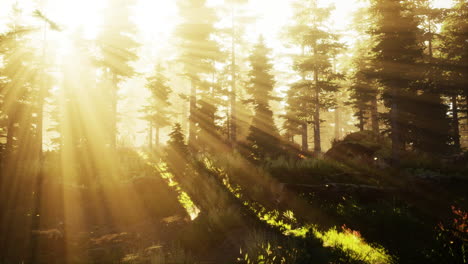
(40, 121)
(317, 140)
(41, 98)
(150, 135)
(465, 134)
(361, 120)
(10, 134)
(233, 125)
(317, 146)
(397, 144)
(305, 144)
(337, 123)
(455, 123)
(466, 116)
(193, 106)
(35, 223)
(374, 115)
(430, 42)
(113, 128)
(157, 136)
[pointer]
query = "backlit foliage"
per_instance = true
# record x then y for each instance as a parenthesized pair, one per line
(233, 131)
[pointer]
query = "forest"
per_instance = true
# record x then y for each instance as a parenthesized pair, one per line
(233, 131)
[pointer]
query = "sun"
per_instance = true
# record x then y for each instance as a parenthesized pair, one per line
(83, 15)
(155, 20)
(155, 16)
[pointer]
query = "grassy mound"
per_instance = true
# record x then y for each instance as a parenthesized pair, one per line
(364, 146)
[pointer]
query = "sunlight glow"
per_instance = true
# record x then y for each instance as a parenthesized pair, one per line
(75, 16)
(138, 131)
(192, 209)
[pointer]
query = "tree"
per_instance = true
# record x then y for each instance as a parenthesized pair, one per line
(117, 50)
(19, 85)
(198, 52)
(156, 111)
(43, 79)
(263, 135)
(430, 124)
(207, 119)
(455, 61)
(364, 89)
(24, 85)
(77, 101)
(314, 66)
(233, 93)
(177, 150)
(298, 116)
(395, 55)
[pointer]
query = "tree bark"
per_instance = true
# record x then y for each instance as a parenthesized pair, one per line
(193, 106)
(157, 136)
(455, 123)
(466, 120)
(374, 116)
(305, 144)
(361, 120)
(41, 97)
(337, 123)
(114, 88)
(10, 135)
(40, 120)
(150, 135)
(397, 144)
(317, 145)
(317, 140)
(233, 124)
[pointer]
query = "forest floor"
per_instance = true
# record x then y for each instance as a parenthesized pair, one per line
(226, 209)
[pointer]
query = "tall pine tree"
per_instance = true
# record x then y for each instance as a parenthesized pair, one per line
(198, 52)
(395, 55)
(314, 66)
(157, 112)
(19, 85)
(263, 136)
(430, 124)
(117, 50)
(454, 64)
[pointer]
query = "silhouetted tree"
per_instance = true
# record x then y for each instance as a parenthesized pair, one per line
(235, 36)
(157, 112)
(177, 150)
(454, 64)
(314, 66)
(364, 89)
(117, 49)
(263, 135)
(198, 51)
(43, 82)
(395, 55)
(430, 128)
(19, 85)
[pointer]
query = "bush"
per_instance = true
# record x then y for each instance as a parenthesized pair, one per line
(452, 238)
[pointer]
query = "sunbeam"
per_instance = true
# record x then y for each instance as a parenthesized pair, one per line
(233, 131)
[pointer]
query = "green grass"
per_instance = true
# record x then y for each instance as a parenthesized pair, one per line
(184, 199)
(354, 246)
